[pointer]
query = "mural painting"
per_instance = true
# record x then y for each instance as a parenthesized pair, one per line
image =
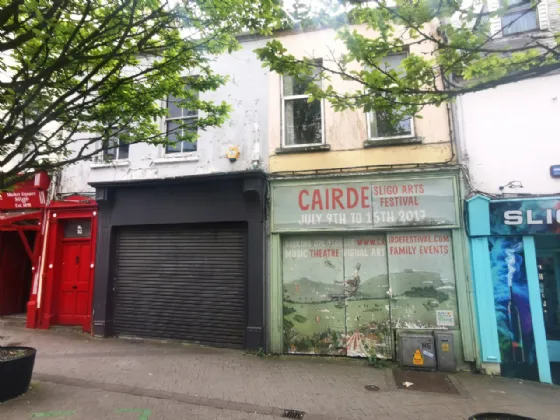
(422, 280)
(368, 322)
(513, 312)
(314, 305)
(345, 295)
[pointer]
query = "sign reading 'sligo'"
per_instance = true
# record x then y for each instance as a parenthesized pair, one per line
(513, 217)
(426, 202)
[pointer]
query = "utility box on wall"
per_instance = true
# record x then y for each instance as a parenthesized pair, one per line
(445, 351)
(417, 350)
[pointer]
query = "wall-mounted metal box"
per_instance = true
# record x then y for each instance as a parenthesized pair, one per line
(445, 351)
(417, 350)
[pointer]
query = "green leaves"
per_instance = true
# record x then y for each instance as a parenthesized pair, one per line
(102, 70)
(450, 51)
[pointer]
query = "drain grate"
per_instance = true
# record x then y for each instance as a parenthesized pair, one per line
(371, 388)
(498, 416)
(293, 414)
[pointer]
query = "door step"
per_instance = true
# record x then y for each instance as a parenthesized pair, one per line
(13, 321)
(19, 321)
(67, 328)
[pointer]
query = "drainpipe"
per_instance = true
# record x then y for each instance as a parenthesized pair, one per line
(456, 118)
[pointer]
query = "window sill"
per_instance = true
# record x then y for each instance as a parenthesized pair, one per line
(177, 159)
(303, 149)
(391, 142)
(113, 164)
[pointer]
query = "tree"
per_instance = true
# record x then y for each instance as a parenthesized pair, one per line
(464, 55)
(103, 67)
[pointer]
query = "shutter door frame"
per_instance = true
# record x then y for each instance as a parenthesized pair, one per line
(184, 282)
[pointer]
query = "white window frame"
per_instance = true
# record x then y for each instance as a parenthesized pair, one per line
(166, 119)
(371, 114)
(519, 9)
(283, 100)
(102, 154)
(496, 28)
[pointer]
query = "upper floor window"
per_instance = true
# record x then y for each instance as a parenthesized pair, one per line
(520, 17)
(302, 120)
(177, 123)
(117, 150)
(379, 124)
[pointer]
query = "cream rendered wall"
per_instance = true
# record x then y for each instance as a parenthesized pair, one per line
(347, 130)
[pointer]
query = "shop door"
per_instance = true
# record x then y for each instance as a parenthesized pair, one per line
(348, 295)
(183, 282)
(74, 297)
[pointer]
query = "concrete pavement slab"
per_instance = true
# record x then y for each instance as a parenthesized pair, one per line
(54, 401)
(234, 382)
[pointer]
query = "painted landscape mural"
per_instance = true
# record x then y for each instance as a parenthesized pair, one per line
(345, 295)
(513, 311)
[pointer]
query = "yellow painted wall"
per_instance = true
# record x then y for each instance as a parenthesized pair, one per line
(383, 156)
(346, 131)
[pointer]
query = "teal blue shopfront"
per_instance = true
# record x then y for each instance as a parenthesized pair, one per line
(515, 260)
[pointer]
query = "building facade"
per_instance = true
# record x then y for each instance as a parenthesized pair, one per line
(366, 225)
(181, 246)
(506, 143)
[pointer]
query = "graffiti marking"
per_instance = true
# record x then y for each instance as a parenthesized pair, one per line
(52, 414)
(144, 413)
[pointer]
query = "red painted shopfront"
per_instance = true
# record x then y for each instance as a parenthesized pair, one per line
(47, 255)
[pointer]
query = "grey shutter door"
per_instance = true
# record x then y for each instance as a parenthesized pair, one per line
(182, 282)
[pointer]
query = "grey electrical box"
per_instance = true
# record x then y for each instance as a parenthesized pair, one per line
(445, 351)
(416, 350)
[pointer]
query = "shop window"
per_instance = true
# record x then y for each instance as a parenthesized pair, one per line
(313, 291)
(549, 285)
(346, 294)
(422, 280)
(79, 228)
(303, 120)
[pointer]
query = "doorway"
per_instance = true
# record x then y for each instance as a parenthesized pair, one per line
(15, 272)
(74, 296)
(548, 264)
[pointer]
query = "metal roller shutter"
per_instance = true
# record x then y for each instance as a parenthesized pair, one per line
(182, 282)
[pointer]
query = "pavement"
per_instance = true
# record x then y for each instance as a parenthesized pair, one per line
(78, 377)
